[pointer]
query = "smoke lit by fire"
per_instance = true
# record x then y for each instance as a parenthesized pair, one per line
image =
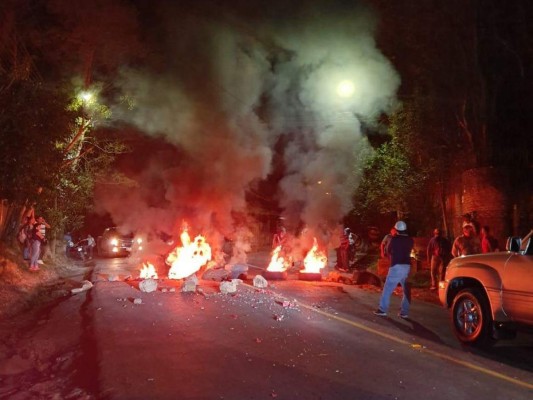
(236, 86)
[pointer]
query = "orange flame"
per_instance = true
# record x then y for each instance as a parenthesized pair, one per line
(148, 271)
(277, 262)
(188, 259)
(315, 260)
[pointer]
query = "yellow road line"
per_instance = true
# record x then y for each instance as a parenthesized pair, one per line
(422, 349)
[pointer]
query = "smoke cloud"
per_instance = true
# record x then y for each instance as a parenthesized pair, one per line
(234, 83)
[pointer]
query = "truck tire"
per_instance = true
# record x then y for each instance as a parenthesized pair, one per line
(471, 318)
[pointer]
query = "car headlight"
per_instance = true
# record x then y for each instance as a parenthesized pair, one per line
(114, 242)
(139, 240)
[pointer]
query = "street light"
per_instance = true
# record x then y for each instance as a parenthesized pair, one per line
(86, 96)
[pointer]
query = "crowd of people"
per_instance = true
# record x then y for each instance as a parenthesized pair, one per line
(32, 237)
(33, 240)
(398, 247)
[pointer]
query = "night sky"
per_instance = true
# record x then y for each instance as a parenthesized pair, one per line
(224, 96)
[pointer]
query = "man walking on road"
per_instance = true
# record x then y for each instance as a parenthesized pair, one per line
(399, 252)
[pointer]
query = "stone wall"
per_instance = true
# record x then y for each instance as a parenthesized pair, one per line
(486, 193)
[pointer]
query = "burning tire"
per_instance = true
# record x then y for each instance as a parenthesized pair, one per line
(310, 276)
(275, 275)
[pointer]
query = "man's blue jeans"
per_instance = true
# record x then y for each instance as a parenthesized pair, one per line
(397, 274)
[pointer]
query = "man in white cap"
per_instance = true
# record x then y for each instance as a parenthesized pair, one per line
(399, 251)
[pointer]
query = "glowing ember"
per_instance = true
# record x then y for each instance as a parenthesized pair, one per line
(315, 260)
(186, 260)
(148, 271)
(277, 262)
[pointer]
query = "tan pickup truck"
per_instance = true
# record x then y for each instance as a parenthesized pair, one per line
(490, 296)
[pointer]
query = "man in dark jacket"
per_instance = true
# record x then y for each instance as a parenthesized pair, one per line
(438, 254)
(399, 252)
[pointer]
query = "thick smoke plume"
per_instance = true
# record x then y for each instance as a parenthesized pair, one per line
(234, 83)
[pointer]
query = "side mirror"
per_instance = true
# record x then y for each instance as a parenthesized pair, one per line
(528, 251)
(513, 244)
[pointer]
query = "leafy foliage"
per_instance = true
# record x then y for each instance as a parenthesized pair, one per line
(396, 175)
(32, 119)
(50, 136)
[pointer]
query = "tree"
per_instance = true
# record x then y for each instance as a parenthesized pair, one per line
(396, 174)
(49, 133)
(463, 67)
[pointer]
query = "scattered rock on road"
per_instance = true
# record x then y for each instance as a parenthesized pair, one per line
(86, 285)
(189, 285)
(148, 285)
(260, 282)
(228, 286)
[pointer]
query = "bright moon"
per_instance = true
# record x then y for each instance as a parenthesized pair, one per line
(345, 89)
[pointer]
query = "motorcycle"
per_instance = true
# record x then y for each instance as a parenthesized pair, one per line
(78, 250)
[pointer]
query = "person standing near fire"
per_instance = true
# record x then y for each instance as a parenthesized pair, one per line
(91, 244)
(343, 252)
(385, 242)
(438, 251)
(489, 243)
(467, 243)
(399, 251)
(280, 238)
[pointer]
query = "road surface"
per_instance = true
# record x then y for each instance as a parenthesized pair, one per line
(292, 340)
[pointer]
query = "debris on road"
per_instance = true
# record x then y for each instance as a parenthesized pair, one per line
(148, 285)
(260, 282)
(283, 302)
(215, 274)
(189, 285)
(237, 270)
(229, 286)
(86, 285)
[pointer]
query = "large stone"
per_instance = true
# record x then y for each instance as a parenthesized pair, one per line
(189, 285)
(260, 282)
(216, 274)
(86, 285)
(227, 287)
(148, 285)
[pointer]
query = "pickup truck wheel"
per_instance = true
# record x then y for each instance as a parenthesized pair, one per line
(471, 318)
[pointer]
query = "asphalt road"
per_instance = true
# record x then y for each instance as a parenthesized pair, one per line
(293, 340)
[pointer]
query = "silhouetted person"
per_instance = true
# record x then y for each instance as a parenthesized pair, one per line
(438, 251)
(399, 251)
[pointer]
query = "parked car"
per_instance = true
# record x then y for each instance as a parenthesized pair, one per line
(114, 243)
(490, 296)
(78, 250)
